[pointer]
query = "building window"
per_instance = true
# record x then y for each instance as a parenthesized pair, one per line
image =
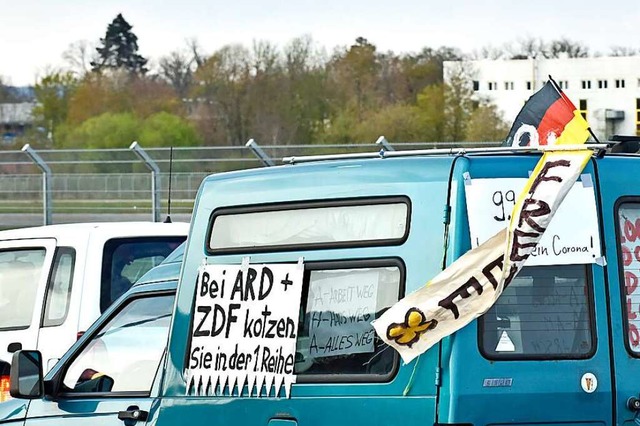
(602, 84)
(586, 84)
(583, 108)
(476, 85)
(563, 84)
(493, 85)
(508, 85)
(529, 85)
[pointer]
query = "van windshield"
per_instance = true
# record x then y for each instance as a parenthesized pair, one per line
(20, 271)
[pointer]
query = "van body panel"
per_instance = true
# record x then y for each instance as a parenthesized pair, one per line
(619, 181)
(375, 411)
(13, 410)
(100, 411)
(474, 386)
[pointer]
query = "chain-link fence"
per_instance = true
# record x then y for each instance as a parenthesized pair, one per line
(71, 185)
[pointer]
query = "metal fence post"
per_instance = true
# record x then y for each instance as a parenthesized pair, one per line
(262, 156)
(46, 182)
(382, 141)
(155, 178)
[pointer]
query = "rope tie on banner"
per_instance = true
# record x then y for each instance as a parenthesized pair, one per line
(407, 388)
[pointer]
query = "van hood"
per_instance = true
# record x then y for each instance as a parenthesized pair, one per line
(13, 409)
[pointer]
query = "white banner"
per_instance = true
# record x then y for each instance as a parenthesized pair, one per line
(245, 325)
(471, 285)
(568, 240)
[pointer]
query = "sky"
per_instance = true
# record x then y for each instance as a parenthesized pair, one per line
(35, 33)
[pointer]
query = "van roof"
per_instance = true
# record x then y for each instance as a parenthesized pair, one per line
(133, 228)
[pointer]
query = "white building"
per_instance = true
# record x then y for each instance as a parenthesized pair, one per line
(605, 89)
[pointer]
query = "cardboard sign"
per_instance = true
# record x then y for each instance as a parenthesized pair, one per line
(572, 236)
(629, 223)
(340, 310)
(245, 325)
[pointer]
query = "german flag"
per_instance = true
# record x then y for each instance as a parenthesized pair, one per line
(548, 117)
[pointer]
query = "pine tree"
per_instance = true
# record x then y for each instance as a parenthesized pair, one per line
(119, 49)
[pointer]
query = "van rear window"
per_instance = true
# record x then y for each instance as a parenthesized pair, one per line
(346, 223)
(125, 260)
(545, 313)
(336, 341)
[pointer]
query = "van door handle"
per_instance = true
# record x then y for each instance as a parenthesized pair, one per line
(633, 404)
(133, 413)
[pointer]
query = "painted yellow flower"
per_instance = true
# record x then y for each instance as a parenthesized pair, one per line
(415, 325)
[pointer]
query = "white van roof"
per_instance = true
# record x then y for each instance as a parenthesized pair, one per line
(120, 228)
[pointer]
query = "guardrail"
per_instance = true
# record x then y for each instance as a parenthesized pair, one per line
(74, 185)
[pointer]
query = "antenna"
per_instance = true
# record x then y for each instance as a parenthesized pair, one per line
(168, 219)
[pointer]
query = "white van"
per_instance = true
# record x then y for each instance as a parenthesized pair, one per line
(56, 280)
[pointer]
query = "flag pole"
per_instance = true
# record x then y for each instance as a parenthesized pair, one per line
(555, 85)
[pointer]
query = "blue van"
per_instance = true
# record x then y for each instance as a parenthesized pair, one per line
(561, 345)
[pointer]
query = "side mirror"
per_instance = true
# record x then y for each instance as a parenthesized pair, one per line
(26, 375)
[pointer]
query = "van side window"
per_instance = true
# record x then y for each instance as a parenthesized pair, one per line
(629, 253)
(20, 271)
(334, 223)
(59, 287)
(545, 313)
(127, 259)
(125, 354)
(336, 341)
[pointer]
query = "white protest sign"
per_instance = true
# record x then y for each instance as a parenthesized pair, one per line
(340, 311)
(245, 325)
(572, 236)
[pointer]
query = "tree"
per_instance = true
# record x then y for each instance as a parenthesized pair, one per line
(354, 75)
(79, 56)
(222, 82)
(623, 51)
(120, 92)
(164, 129)
(430, 102)
(458, 102)
(119, 49)
(486, 124)
(53, 92)
(177, 68)
(107, 130)
(566, 47)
